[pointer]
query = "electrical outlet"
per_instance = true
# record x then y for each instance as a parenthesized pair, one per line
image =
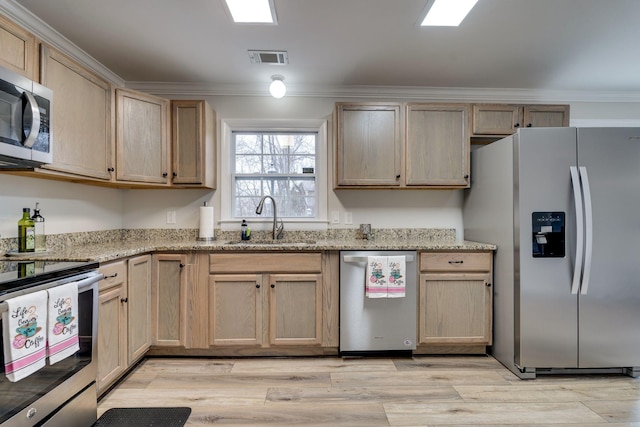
(348, 217)
(335, 217)
(171, 217)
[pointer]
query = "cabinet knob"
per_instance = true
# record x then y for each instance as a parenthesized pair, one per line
(124, 299)
(273, 286)
(174, 174)
(517, 125)
(164, 174)
(466, 177)
(529, 125)
(398, 176)
(488, 284)
(111, 169)
(257, 285)
(181, 265)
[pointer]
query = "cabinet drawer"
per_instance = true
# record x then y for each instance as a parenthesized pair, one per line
(455, 261)
(114, 275)
(265, 263)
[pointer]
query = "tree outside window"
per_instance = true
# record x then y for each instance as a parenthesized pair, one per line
(277, 164)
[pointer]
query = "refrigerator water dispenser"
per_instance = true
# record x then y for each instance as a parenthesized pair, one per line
(548, 237)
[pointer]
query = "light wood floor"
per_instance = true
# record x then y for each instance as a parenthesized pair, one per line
(423, 391)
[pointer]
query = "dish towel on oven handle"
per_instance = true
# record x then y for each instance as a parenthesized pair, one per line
(24, 326)
(396, 283)
(62, 327)
(376, 277)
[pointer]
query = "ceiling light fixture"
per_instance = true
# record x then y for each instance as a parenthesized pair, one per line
(252, 11)
(446, 13)
(277, 87)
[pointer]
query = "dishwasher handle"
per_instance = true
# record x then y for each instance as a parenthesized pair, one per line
(356, 259)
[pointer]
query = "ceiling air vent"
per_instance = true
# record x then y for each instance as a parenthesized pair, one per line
(277, 57)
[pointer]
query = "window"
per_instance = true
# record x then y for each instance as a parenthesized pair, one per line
(282, 165)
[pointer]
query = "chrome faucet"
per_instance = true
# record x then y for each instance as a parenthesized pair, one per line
(277, 229)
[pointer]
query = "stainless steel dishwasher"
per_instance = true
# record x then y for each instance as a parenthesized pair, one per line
(376, 324)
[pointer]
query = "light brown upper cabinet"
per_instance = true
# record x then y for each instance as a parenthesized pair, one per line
(369, 144)
(193, 144)
(505, 119)
(82, 118)
(395, 145)
(18, 49)
(142, 149)
(437, 151)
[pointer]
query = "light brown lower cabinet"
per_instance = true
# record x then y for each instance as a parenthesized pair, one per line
(235, 309)
(112, 324)
(124, 300)
(265, 300)
(172, 274)
(207, 304)
(455, 302)
(138, 307)
(295, 309)
(265, 309)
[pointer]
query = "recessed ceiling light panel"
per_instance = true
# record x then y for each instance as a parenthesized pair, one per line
(252, 11)
(446, 13)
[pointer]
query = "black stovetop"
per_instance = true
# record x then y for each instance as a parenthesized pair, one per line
(16, 275)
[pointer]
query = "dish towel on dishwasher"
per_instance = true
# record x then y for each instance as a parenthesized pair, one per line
(24, 326)
(62, 326)
(396, 286)
(376, 277)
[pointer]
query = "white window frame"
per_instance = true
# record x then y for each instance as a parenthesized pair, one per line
(228, 126)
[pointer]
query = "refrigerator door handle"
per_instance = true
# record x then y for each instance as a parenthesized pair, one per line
(577, 198)
(588, 220)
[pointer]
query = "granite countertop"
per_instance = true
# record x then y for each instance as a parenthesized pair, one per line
(111, 248)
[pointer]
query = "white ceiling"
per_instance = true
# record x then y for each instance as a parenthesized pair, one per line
(557, 45)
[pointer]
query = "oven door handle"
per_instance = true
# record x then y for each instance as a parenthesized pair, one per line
(83, 285)
(89, 281)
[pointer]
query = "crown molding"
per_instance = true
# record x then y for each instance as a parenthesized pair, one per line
(47, 34)
(417, 93)
(42, 30)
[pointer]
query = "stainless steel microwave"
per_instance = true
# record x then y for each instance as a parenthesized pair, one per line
(25, 121)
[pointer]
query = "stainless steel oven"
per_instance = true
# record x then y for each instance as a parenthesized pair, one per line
(62, 394)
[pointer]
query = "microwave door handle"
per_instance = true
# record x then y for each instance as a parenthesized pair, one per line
(588, 219)
(34, 130)
(577, 198)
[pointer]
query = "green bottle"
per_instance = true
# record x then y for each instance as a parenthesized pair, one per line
(26, 232)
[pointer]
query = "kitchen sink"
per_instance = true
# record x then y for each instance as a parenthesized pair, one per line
(272, 242)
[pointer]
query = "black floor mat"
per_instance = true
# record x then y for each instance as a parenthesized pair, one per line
(144, 417)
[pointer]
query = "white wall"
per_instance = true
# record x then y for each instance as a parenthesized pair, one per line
(70, 207)
(66, 207)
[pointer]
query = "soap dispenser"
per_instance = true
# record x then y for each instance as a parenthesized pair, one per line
(245, 231)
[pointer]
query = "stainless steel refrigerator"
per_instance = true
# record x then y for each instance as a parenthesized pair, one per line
(563, 207)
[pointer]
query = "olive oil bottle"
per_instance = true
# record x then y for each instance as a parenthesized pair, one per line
(26, 232)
